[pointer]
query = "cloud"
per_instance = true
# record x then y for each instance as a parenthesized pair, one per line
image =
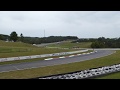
(74, 23)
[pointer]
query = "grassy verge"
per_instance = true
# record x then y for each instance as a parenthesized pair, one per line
(14, 49)
(15, 44)
(24, 51)
(115, 75)
(37, 59)
(57, 69)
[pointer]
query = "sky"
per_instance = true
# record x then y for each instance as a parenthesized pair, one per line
(83, 24)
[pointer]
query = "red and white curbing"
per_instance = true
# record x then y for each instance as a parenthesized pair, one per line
(71, 55)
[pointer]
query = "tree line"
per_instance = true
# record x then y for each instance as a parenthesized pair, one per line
(106, 43)
(35, 40)
(101, 42)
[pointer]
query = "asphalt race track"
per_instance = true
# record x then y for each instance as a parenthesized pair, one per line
(43, 63)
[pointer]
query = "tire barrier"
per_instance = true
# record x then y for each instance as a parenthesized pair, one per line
(39, 56)
(85, 74)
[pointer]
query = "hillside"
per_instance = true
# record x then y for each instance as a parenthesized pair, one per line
(13, 49)
(15, 44)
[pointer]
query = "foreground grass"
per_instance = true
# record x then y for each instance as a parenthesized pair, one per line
(57, 69)
(36, 59)
(115, 75)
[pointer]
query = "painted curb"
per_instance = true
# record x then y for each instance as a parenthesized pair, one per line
(68, 56)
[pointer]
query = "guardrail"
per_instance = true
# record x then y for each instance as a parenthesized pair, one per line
(85, 74)
(39, 56)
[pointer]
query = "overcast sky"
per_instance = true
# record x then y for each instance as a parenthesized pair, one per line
(84, 24)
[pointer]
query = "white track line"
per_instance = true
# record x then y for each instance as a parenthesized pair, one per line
(71, 56)
(91, 52)
(16, 67)
(79, 54)
(83, 53)
(48, 59)
(62, 57)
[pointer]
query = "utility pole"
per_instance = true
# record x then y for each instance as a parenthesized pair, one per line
(44, 37)
(44, 32)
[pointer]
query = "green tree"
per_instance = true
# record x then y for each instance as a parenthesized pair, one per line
(1, 37)
(21, 37)
(95, 44)
(98, 44)
(13, 36)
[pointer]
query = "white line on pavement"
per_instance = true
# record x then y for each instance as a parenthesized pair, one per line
(71, 56)
(61, 57)
(48, 59)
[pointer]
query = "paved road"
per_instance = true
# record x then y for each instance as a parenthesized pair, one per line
(102, 48)
(43, 63)
(46, 44)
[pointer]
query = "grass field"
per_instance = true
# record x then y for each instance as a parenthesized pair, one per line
(15, 44)
(115, 75)
(50, 70)
(13, 49)
(68, 44)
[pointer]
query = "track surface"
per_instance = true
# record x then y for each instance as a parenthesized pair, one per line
(43, 63)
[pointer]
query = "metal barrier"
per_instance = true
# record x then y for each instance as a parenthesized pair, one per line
(85, 74)
(39, 56)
